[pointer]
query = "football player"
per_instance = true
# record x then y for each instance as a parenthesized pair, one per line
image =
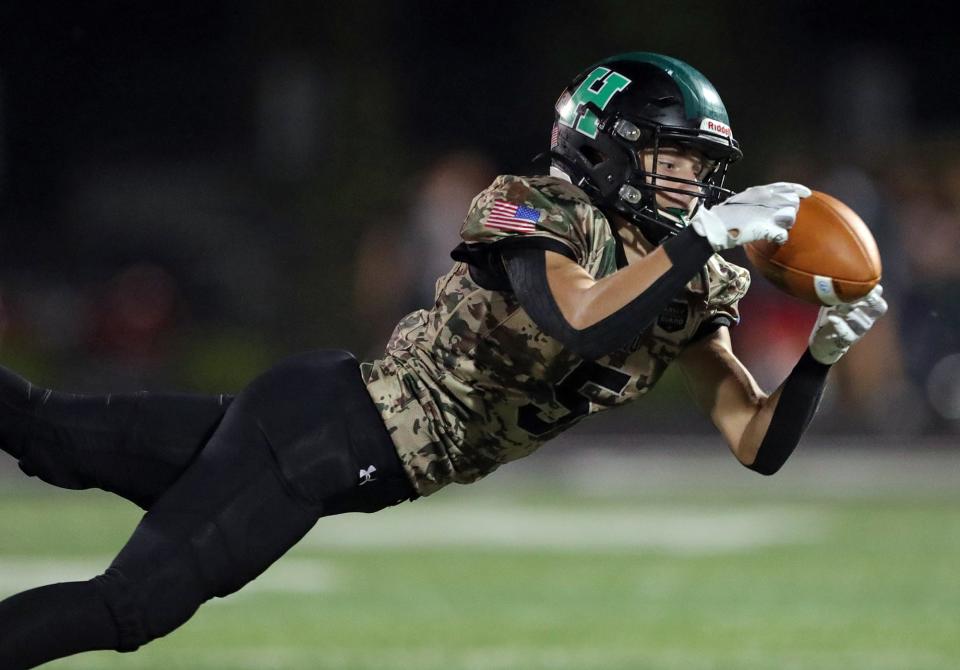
(571, 294)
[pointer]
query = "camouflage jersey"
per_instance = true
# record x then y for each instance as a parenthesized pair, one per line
(472, 382)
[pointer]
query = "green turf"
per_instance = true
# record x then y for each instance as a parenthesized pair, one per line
(877, 587)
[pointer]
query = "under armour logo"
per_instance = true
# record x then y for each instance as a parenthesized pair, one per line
(367, 475)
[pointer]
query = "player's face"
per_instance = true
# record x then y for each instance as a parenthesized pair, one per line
(677, 163)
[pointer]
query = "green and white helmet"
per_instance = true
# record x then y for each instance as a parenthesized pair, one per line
(629, 103)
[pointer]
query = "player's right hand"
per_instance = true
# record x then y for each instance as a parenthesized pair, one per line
(758, 213)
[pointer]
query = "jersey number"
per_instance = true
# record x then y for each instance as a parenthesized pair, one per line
(570, 394)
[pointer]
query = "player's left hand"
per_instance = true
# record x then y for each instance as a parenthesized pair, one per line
(839, 326)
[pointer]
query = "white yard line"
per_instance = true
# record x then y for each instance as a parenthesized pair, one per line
(480, 524)
(488, 657)
(23, 572)
(289, 575)
(483, 524)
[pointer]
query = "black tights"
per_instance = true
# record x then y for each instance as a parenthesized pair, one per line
(229, 486)
(135, 445)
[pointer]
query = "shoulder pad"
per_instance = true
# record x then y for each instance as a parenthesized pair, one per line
(530, 207)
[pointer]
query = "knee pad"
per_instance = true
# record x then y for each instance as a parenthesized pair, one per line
(150, 598)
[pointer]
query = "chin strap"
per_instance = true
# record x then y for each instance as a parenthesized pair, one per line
(675, 214)
(654, 228)
(560, 174)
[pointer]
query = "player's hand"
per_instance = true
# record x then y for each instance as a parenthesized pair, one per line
(839, 326)
(758, 213)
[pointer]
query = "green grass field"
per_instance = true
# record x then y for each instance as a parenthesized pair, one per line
(647, 562)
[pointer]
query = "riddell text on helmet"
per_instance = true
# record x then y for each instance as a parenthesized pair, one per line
(715, 126)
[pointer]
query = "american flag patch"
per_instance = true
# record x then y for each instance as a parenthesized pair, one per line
(515, 218)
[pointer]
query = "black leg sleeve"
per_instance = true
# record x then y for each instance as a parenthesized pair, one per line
(134, 445)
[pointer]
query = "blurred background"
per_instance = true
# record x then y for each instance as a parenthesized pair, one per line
(189, 191)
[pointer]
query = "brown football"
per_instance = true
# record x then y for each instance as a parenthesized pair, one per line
(831, 256)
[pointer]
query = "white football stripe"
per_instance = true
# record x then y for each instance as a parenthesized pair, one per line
(825, 290)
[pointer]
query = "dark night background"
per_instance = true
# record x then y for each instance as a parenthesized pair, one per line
(190, 190)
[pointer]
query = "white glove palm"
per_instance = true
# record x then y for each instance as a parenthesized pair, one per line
(839, 326)
(758, 213)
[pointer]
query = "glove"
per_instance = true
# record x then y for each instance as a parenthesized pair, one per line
(839, 326)
(758, 213)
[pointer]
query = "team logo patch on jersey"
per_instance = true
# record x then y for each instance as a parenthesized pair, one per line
(674, 317)
(514, 218)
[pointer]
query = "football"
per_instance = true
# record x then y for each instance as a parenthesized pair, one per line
(830, 258)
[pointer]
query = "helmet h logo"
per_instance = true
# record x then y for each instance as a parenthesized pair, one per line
(598, 88)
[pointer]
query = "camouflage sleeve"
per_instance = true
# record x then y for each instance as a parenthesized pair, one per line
(530, 212)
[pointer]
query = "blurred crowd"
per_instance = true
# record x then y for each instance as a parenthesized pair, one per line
(186, 196)
(137, 326)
